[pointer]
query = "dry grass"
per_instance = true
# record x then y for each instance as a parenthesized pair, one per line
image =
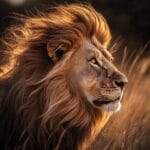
(129, 129)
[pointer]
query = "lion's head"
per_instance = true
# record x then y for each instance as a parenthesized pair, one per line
(61, 81)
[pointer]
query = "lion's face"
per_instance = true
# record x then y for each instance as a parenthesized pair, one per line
(97, 79)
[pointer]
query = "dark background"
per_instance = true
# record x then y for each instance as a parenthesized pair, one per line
(128, 19)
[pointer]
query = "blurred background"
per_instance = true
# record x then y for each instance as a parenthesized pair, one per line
(129, 21)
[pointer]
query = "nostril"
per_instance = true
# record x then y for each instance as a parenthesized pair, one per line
(119, 79)
(119, 83)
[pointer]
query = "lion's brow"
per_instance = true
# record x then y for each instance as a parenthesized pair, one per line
(103, 50)
(107, 54)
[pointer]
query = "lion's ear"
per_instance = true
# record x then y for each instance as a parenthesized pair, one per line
(56, 53)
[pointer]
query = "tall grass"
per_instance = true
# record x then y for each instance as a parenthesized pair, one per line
(129, 129)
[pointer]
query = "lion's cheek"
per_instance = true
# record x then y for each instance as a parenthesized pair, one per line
(89, 88)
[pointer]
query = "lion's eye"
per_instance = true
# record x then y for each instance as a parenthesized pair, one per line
(93, 61)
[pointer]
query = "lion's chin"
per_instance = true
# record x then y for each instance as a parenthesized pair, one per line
(105, 105)
(109, 107)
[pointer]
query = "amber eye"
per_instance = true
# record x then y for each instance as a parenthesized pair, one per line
(93, 61)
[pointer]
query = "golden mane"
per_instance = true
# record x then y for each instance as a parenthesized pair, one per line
(35, 113)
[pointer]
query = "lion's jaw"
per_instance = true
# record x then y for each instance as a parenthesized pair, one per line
(112, 106)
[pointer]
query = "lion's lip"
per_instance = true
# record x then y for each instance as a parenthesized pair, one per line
(99, 102)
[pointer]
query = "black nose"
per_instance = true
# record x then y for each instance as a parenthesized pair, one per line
(120, 83)
(119, 79)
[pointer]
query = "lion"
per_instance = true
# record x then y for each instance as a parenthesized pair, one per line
(58, 83)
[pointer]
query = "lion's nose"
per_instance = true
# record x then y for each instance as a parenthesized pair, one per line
(120, 81)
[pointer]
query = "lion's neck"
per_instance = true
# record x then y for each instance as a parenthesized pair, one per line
(78, 138)
(72, 139)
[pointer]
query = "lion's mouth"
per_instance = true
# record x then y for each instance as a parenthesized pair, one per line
(99, 102)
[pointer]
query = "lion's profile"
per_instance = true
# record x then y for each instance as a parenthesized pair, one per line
(58, 84)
